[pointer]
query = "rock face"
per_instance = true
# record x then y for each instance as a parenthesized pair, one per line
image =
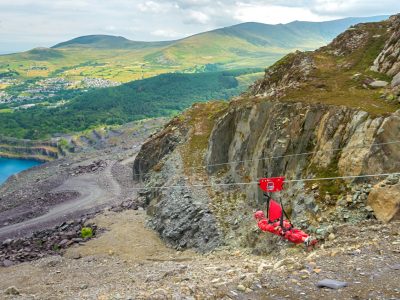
(269, 138)
(266, 139)
(388, 61)
(288, 74)
(40, 150)
(154, 149)
(283, 130)
(349, 41)
(179, 212)
(184, 220)
(385, 201)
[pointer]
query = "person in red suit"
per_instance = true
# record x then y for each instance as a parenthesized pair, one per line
(286, 230)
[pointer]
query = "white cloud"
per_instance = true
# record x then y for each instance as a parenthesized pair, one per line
(272, 14)
(153, 7)
(166, 33)
(354, 7)
(197, 17)
(111, 28)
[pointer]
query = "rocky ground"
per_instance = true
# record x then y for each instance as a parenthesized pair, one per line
(128, 261)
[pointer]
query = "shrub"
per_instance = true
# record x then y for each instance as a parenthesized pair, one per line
(86, 232)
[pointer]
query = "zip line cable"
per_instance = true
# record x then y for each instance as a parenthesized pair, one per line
(256, 182)
(300, 154)
(281, 156)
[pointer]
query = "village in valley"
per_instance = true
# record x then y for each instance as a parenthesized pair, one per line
(30, 92)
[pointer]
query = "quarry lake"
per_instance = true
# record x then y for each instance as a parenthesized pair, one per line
(10, 166)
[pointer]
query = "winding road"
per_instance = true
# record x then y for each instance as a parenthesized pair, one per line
(95, 190)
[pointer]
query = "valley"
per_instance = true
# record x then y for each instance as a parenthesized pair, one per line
(75, 85)
(163, 95)
(104, 61)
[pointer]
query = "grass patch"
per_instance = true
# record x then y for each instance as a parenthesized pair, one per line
(201, 119)
(332, 187)
(333, 82)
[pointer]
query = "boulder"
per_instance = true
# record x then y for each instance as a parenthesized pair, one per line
(378, 83)
(396, 80)
(385, 201)
(332, 284)
(12, 290)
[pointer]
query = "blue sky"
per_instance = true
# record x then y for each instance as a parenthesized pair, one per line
(25, 24)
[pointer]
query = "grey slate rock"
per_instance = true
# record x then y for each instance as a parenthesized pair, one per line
(396, 267)
(378, 83)
(332, 284)
(396, 80)
(7, 263)
(12, 290)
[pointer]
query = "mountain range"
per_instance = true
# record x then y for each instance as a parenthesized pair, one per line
(119, 59)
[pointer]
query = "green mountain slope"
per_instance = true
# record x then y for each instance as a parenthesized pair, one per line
(122, 60)
(108, 42)
(162, 95)
(253, 44)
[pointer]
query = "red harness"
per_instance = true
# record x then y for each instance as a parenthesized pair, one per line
(274, 222)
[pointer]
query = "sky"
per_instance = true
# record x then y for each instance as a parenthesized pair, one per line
(25, 24)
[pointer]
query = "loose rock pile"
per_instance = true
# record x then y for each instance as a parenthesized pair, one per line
(42, 243)
(98, 165)
(36, 207)
(53, 241)
(127, 204)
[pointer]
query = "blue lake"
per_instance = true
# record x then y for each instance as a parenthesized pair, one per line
(10, 166)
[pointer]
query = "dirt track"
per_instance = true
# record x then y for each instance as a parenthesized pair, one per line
(95, 190)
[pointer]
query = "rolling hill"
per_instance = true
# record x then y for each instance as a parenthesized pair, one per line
(119, 59)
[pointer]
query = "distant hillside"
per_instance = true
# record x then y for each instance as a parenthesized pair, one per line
(119, 59)
(162, 95)
(294, 34)
(253, 44)
(108, 42)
